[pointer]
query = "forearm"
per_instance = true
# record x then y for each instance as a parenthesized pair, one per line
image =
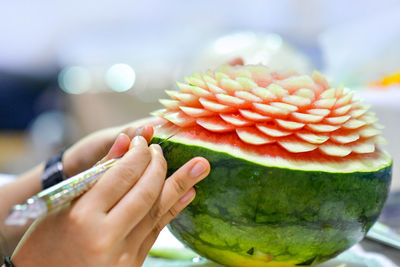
(25, 186)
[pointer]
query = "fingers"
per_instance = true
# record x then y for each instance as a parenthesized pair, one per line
(121, 144)
(178, 185)
(131, 209)
(175, 210)
(118, 149)
(175, 189)
(118, 180)
(92, 148)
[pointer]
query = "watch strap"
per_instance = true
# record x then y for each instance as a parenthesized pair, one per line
(53, 171)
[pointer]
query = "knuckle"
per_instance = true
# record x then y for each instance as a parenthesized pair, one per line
(148, 197)
(125, 259)
(179, 185)
(156, 213)
(100, 245)
(173, 212)
(78, 217)
(157, 228)
(126, 175)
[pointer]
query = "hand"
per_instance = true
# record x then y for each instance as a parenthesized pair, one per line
(117, 221)
(92, 148)
(78, 158)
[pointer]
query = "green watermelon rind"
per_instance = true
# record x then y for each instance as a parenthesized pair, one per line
(332, 164)
(247, 214)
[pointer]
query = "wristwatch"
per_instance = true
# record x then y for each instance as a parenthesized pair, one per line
(53, 172)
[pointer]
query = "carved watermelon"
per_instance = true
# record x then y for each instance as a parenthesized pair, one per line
(297, 176)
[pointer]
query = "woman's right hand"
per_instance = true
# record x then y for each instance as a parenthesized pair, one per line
(117, 221)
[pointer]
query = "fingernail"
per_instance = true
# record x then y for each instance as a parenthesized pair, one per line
(139, 131)
(157, 148)
(117, 139)
(197, 169)
(189, 195)
(137, 140)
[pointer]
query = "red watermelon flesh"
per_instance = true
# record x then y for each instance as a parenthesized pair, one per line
(289, 115)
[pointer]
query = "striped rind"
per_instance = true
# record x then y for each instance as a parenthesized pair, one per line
(336, 164)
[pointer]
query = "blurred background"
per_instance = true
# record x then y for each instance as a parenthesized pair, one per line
(68, 68)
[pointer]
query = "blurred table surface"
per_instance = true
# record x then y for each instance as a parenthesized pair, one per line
(391, 217)
(13, 145)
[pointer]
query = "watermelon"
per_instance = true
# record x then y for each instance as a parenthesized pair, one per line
(297, 172)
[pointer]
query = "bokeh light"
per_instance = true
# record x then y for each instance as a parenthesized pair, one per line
(230, 43)
(273, 41)
(74, 80)
(48, 130)
(120, 77)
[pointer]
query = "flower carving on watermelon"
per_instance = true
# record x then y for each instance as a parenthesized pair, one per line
(300, 113)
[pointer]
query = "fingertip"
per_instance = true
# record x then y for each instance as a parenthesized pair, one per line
(145, 131)
(137, 141)
(120, 146)
(122, 137)
(204, 161)
(156, 149)
(203, 166)
(148, 132)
